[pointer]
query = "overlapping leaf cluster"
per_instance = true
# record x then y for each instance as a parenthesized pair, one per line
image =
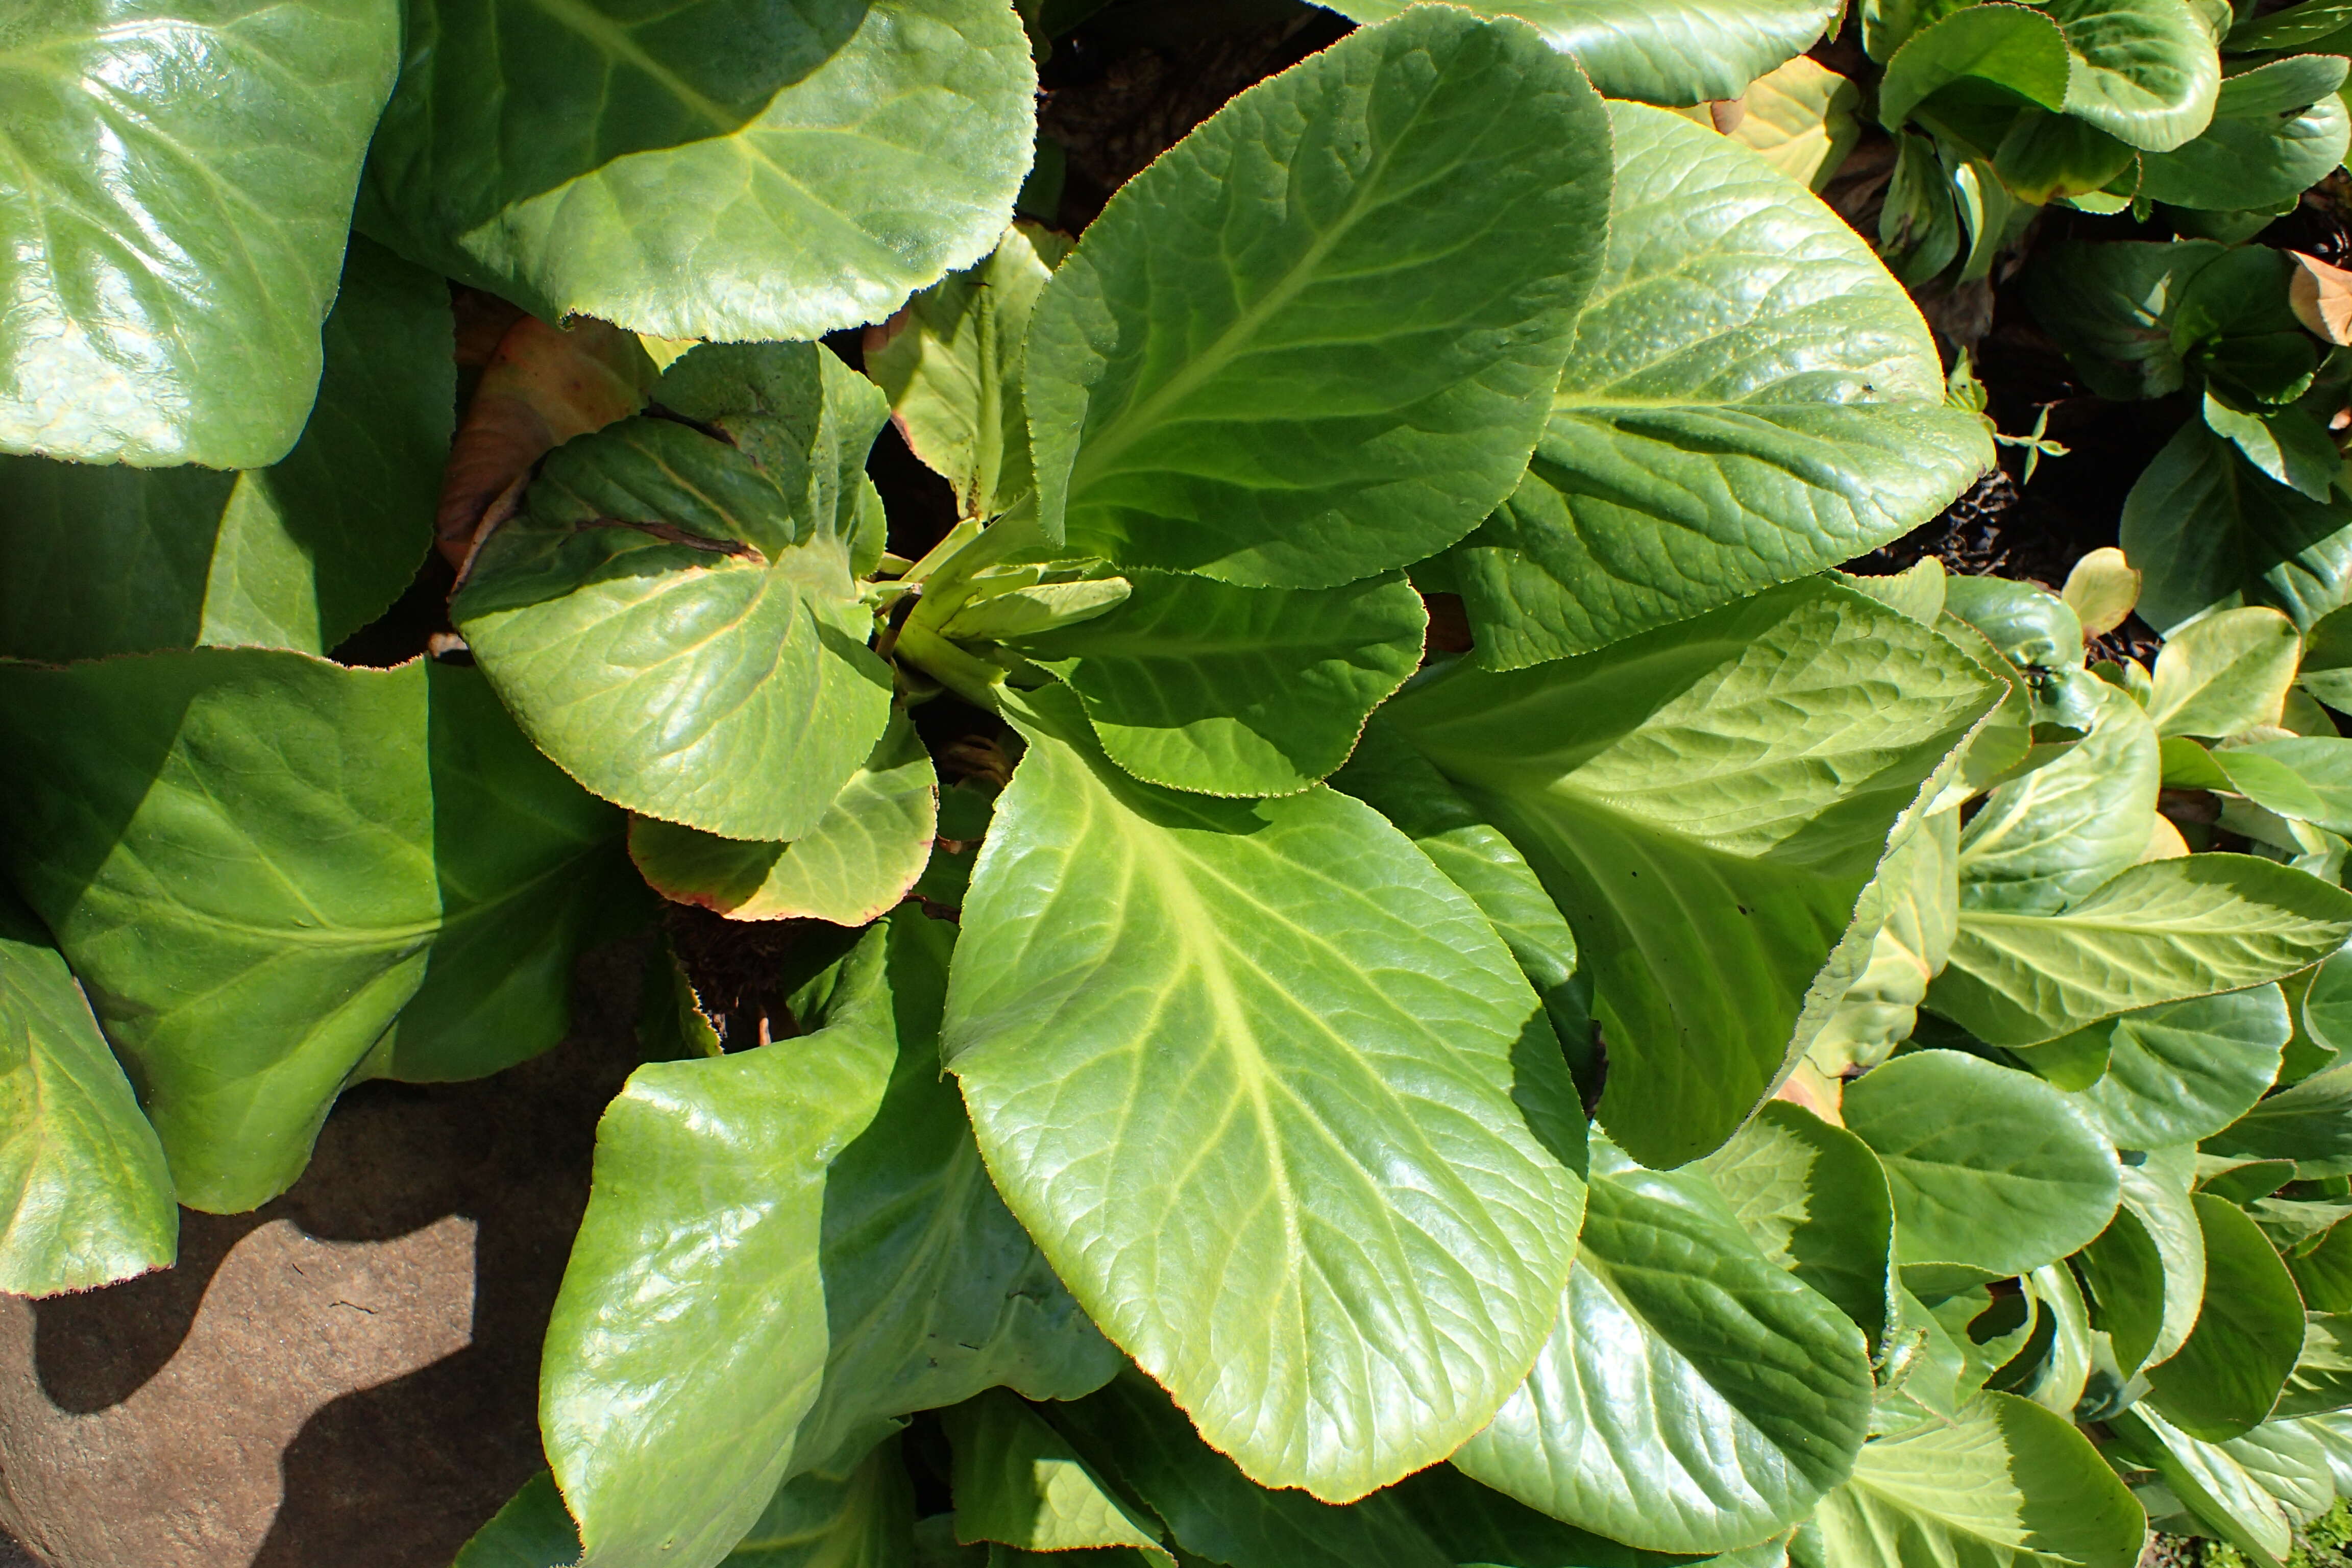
(1723, 1061)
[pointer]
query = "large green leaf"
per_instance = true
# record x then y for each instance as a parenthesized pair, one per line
(1476, 1524)
(675, 620)
(1400, 784)
(2290, 1462)
(1202, 685)
(2109, 305)
(1275, 1102)
(1989, 1167)
(2322, 1379)
(1918, 889)
(181, 178)
(1815, 1200)
(2050, 838)
(1659, 51)
(1019, 1481)
(856, 1512)
(2144, 71)
(2226, 672)
(2225, 1379)
(2008, 1485)
(255, 860)
(1751, 398)
(2163, 931)
(2187, 1069)
(533, 1530)
(106, 559)
(2310, 1123)
(1312, 342)
(689, 1340)
(1131, 1436)
(2218, 1490)
(2277, 130)
(860, 858)
(707, 168)
(1707, 804)
(2204, 525)
(2020, 50)
(87, 1196)
(950, 364)
(1695, 1395)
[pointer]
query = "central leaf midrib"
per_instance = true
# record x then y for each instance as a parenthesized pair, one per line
(614, 43)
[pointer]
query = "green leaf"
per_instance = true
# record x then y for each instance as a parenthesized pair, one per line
(533, 1530)
(1674, 52)
(2023, 51)
(2310, 1123)
(2277, 130)
(1476, 1524)
(950, 363)
(1339, 1249)
(860, 858)
(175, 218)
(2212, 1483)
(2052, 837)
(854, 1513)
(1201, 685)
(2163, 931)
(703, 171)
(1800, 118)
(1988, 1167)
(2225, 673)
(106, 560)
(1302, 347)
(2322, 1379)
(2144, 71)
(2323, 1273)
(2206, 527)
(2283, 443)
(2031, 626)
(2185, 1070)
(254, 859)
(933, 1291)
(2291, 1464)
(687, 1340)
(675, 617)
(1696, 1396)
(2296, 24)
(1814, 1200)
(1399, 783)
(1133, 1437)
(2062, 1321)
(2322, 768)
(1019, 1481)
(2109, 305)
(1751, 398)
(2225, 1379)
(2008, 1485)
(1706, 803)
(87, 1196)
(1881, 1008)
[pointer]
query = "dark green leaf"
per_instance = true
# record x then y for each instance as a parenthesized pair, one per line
(2184, 1071)
(2277, 129)
(2310, 1123)
(2226, 1378)
(2204, 525)
(1019, 1481)
(2109, 306)
(1815, 1200)
(2322, 1379)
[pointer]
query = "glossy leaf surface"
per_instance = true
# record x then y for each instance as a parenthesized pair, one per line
(2008, 1485)
(2162, 931)
(1201, 685)
(1682, 51)
(705, 169)
(2184, 1071)
(675, 620)
(1814, 1199)
(107, 560)
(181, 179)
(1988, 1167)
(2229, 1374)
(1303, 347)
(1751, 398)
(1696, 1396)
(1678, 794)
(86, 1193)
(1353, 1236)
(2051, 838)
